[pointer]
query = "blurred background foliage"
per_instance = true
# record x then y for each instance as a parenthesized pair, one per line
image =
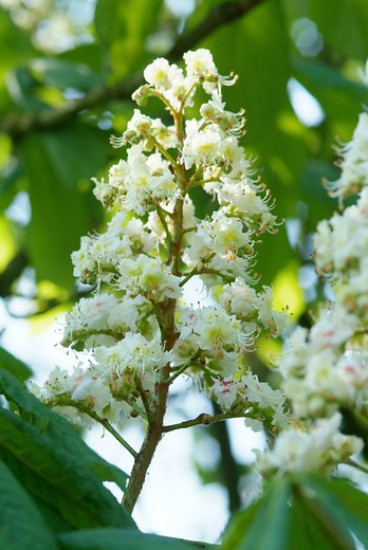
(68, 68)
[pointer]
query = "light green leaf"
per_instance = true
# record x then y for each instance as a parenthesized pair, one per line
(21, 525)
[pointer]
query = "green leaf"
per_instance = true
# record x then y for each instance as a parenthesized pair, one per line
(68, 475)
(304, 512)
(57, 162)
(305, 532)
(9, 183)
(341, 99)
(14, 365)
(21, 525)
(118, 539)
(65, 74)
(245, 47)
(22, 87)
(264, 526)
(66, 483)
(14, 44)
(344, 503)
(122, 28)
(87, 54)
(343, 24)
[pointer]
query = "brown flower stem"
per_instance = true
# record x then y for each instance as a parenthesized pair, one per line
(203, 419)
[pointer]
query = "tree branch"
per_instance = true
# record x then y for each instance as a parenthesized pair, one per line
(18, 125)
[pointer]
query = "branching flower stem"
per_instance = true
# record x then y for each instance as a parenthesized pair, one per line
(103, 421)
(204, 419)
(161, 215)
(165, 313)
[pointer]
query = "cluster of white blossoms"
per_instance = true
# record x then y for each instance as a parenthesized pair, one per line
(135, 333)
(326, 368)
(318, 449)
(353, 163)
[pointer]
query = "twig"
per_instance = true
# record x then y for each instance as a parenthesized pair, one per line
(357, 465)
(204, 419)
(161, 215)
(103, 421)
(145, 402)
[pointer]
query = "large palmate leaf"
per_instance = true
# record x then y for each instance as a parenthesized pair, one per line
(46, 454)
(21, 524)
(308, 513)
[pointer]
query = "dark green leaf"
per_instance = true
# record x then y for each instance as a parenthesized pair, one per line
(78, 494)
(118, 539)
(68, 475)
(14, 365)
(305, 532)
(21, 525)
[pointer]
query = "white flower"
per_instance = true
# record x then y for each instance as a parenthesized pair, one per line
(161, 74)
(134, 352)
(261, 392)
(202, 148)
(240, 298)
(148, 275)
(354, 162)
(225, 392)
(322, 448)
(94, 391)
(216, 329)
